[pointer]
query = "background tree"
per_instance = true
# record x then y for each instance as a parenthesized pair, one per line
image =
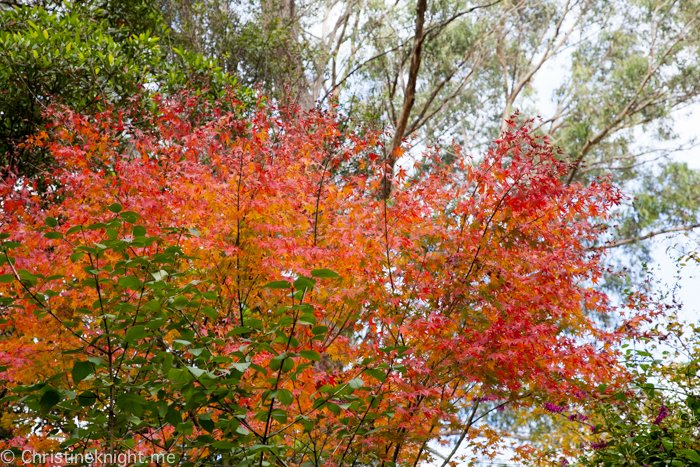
(84, 55)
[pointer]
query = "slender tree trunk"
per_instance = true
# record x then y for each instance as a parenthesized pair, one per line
(409, 99)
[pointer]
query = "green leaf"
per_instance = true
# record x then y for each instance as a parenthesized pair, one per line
(51, 222)
(310, 355)
(690, 454)
(138, 231)
(96, 360)
(130, 282)
(303, 283)
(129, 216)
(131, 404)
(308, 319)
(223, 445)
(53, 235)
(159, 275)
(177, 375)
(136, 333)
(86, 398)
(116, 208)
(324, 273)
(49, 399)
(210, 312)
(318, 330)
(278, 285)
(81, 370)
(241, 366)
(356, 383)
(173, 416)
(208, 425)
(285, 397)
(279, 415)
(6, 278)
(334, 408)
(196, 371)
(74, 229)
(76, 256)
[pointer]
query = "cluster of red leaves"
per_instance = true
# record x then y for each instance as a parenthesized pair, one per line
(482, 271)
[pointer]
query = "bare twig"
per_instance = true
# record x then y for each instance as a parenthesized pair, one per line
(627, 241)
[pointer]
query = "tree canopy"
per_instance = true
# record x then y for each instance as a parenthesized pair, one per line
(304, 232)
(176, 266)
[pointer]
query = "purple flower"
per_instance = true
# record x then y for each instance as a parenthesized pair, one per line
(563, 462)
(549, 407)
(575, 417)
(599, 445)
(663, 413)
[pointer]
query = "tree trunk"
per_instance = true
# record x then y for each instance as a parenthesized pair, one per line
(409, 99)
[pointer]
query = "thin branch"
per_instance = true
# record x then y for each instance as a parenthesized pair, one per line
(639, 238)
(463, 435)
(429, 30)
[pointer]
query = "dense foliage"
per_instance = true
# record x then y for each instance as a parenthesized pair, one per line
(601, 73)
(656, 421)
(467, 308)
(85, 55)
(159, 294)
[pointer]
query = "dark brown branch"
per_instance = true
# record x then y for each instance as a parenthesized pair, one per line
(409, 98)
(435, 27)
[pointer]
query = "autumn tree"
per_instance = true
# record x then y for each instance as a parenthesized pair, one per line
(459, 296)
